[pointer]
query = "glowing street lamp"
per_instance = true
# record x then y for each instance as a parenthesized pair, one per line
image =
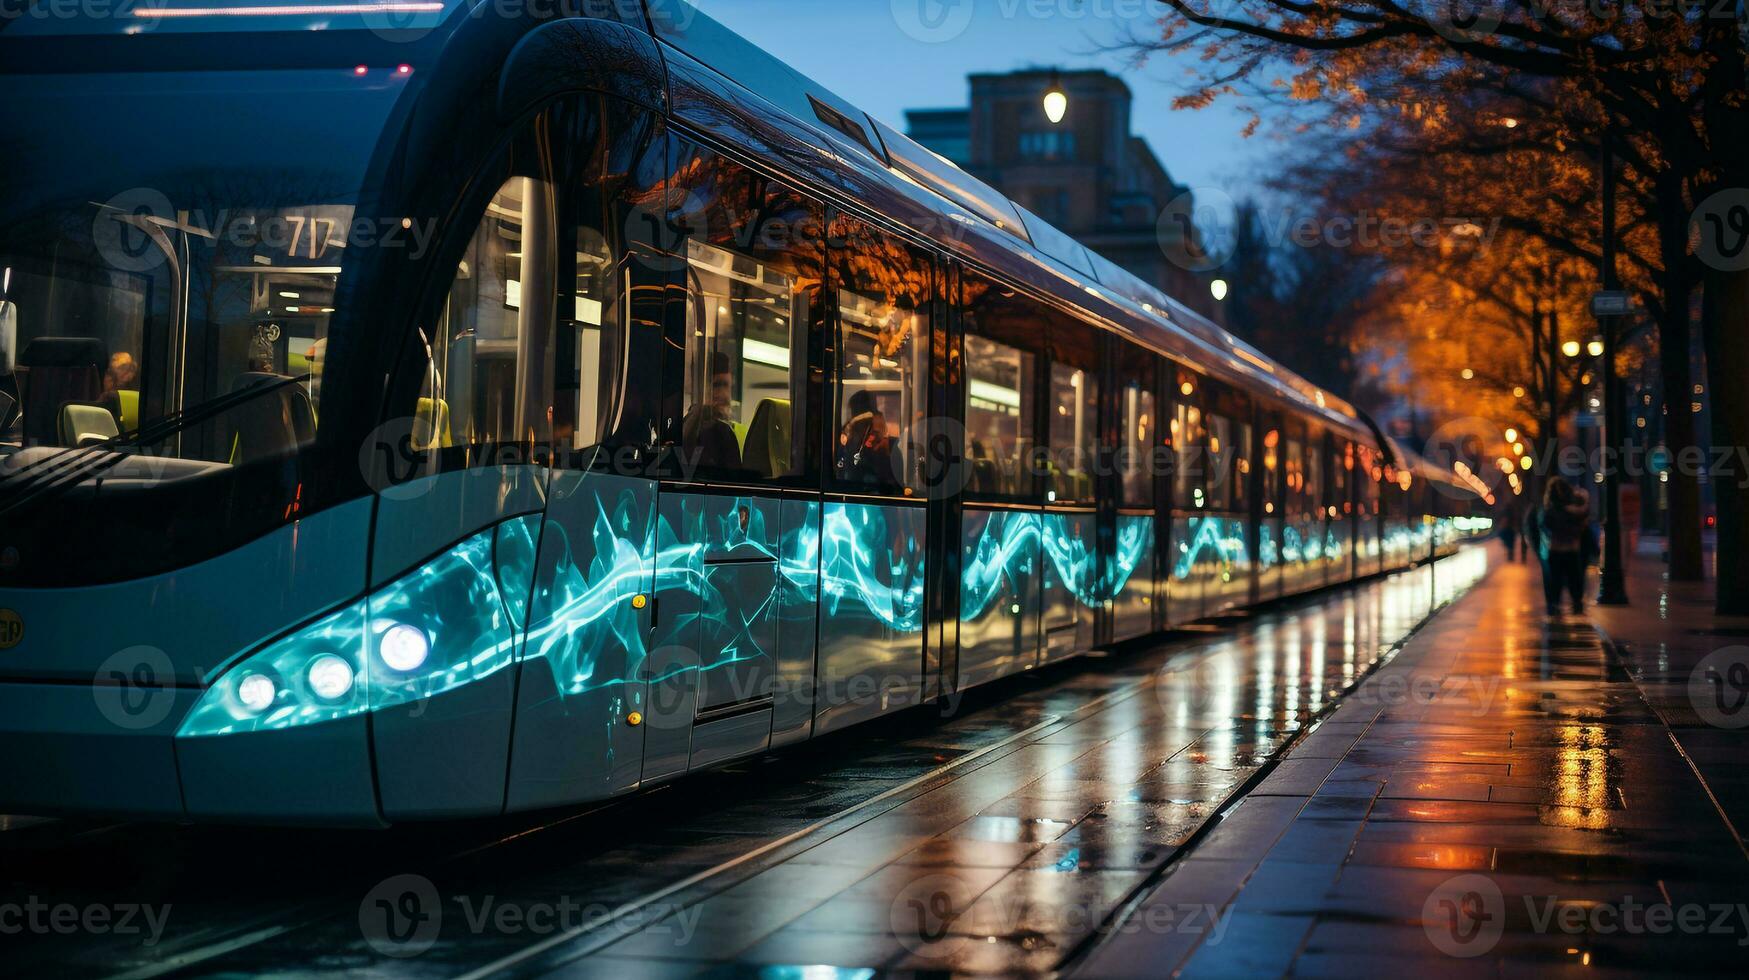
(1056, 100)
(1595, 348)
(1570, 348)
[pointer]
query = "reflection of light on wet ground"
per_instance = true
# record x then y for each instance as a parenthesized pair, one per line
(1581, 775)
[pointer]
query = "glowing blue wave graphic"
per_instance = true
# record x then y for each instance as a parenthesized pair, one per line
(1073, 556)
(1212, 541)
(1135, 539)
(864, 570)
(583, 607)
(1002, 558)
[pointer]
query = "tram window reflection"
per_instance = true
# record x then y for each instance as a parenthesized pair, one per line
(486, 383)
(880, 402)
(1000, 407)
(595, 341)
(1074, 429)
(741, 328)
(95, 350)
(1190, 440)
(1136, 415)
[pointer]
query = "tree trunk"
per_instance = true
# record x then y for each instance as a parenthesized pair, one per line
(1725, 315)
(1673, 366)
(1727, 360)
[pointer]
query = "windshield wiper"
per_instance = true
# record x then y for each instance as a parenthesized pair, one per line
(75, 465)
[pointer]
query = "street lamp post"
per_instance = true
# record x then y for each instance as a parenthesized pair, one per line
(1612, 586)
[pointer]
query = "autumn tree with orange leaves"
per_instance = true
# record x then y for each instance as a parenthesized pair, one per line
(1528, 91)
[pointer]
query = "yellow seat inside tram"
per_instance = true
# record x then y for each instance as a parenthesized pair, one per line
(431, 425)
(129, 402)
(766, 446)
(83, 424)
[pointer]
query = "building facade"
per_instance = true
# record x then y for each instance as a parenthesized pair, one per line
(1089, 175)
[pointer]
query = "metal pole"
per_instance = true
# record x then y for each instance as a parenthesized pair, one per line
(1612, 587)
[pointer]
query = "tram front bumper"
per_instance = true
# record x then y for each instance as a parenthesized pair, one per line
(108, 750)
(78, 748)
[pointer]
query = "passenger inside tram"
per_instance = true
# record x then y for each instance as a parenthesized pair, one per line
(865, 447)
(707, 434)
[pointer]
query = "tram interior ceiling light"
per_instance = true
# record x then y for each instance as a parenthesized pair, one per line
(1219, 290)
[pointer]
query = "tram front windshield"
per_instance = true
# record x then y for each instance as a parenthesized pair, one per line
(172, 256)
(171, 242)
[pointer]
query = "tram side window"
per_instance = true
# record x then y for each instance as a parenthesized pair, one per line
(487, 382)
(736, 383)
(1295, 476)
(742, 330)
(881, 374)
(1073, 411)
(1223, 441)
(1190, 441)
(1001, 390)
(1272, 466)
(1315, 489)
(1229, 448)
(591, 343)
(1138, 422)
(1339, 477)
(884, 288)
(590, 353)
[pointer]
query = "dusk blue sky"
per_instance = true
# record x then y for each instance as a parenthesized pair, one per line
(862, 50)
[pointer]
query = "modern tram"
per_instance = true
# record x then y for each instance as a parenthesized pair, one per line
(411, 410)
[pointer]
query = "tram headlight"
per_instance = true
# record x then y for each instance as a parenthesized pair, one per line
(442, 625)
(329, 676)
(404, 647)
(295, 680)
(256, 692)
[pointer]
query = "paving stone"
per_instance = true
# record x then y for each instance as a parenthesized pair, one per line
(1515, 779)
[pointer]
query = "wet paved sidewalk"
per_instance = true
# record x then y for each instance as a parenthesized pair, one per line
(1498, 800)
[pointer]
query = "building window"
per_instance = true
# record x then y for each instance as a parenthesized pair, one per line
(1047, 144)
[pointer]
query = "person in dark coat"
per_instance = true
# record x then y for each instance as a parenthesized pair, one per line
(1562, 526)
(706, 433)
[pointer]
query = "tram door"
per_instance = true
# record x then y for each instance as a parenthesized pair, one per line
(1074, 582)
(874, 519)
(737, 525)
(582, 692)
(1001, 596)
(1131, 574)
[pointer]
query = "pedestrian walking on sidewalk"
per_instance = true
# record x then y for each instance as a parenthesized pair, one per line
(1562, 525)
(1509, 536)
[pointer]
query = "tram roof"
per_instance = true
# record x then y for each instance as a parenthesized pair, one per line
(888, 169)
